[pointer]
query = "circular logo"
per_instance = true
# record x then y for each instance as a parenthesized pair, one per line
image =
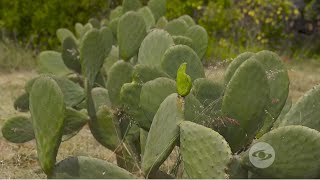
(261, 155)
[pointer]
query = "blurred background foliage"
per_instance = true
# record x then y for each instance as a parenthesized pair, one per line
(290, 27)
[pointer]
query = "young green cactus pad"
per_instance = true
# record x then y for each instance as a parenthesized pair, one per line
(145, 73)
(295, 153)
(82, 167)
(206, 91)
(120, 73)
(153, 47)
(161, 23)
(47, 112)
(70, 54)
(131, 31)
(148, 17)
(306, 111)
(51, 62)
(152, 94)
(205, 153)
(163, 134)
(105, 129)
(95, 47)
(278, 80)
(63, 33)
(130, 5)
(100, 97)
(158, 8)
(188, 20)
(22, 103)
(199, 37)
(183, 40)
(176, 27)
(116, 13)
(234, 65)
(176, 55)
(18, 130)
(244, 101)
(112, 58)
(183, 80)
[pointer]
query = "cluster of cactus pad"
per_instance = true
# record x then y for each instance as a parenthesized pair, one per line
(137, 80)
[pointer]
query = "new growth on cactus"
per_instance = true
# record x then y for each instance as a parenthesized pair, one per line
(138, 81)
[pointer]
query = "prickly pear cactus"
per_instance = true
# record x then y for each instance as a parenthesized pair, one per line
(234, 65)
(244, 102)
(18, 130)
(147, 15)
(176, 55)
(145, 73)
(70, 54)
(120, 73)
(189, 20)
(207, 91)
(158, 8)
(51, 62)
(205, 153)
(82, 167)
(152, 94)
(183, 40)
(95, 47)
(161, 23)
(47, 113)
(199, 37)
(176, 27)
(130, 5)
(294, 153)
(153, 47)
(131, 31)
(305, 111)
(22, 103)
(184, 82)
(63, 33)
(165, 122)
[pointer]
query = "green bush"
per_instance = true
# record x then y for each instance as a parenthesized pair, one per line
(37, 21)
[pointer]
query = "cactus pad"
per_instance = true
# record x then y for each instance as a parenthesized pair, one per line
(176, 55)
(144, 73)
(130, 5)
(22, 103)
(47, 112)
(183, 40)
(296, 154)
(234, 65)
(116, 12)
(105, 129)
(183, 80)
(176, 27)
(244, 102)
(120, 73)
(148, 17)
(161, 23)
(189, 20)
(207, 91)
(152, 94)
(70, 54)
(306, 111)
(153, 47)
(131, 31)
(18, 130)
(63, 33)
(158, 8)
(51, 62)
(205, 153)
(100, 97)
(112, 58)
(199, 38)
(163, 134)
(73, 122)
(82, 167)
(95, 47)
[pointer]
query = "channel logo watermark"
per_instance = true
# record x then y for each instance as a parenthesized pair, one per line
(262, 155)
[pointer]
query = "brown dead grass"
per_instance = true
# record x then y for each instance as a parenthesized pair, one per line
(20, 161)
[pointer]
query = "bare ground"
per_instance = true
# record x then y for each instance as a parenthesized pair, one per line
(20, 161)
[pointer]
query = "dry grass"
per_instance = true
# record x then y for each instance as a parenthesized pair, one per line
(20, 161)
